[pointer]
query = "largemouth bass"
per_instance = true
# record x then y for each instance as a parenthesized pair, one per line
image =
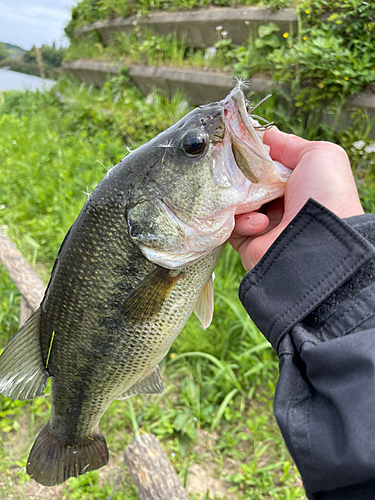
(131, 269)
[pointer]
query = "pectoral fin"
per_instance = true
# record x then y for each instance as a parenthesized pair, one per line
(150, 384)
(146, 300)
(204, 308)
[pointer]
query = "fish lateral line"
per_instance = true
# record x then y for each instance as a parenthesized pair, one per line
(50, 348)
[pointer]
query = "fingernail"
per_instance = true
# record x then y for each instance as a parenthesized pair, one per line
(256, 219)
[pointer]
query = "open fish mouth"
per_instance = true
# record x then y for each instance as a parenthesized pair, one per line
(231, 173)
(249, 152)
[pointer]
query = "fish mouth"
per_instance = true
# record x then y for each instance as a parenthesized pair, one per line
(249, 152)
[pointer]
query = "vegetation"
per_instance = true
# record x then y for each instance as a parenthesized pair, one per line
(14, 50)
(89, 11)
(48, 66)
(4, 54)
(329, 59)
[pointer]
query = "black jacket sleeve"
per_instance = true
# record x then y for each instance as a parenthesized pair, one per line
(313, 297)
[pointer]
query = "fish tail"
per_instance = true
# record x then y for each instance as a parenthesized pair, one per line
(52, 460)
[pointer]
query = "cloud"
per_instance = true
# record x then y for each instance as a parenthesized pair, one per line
(28, 23)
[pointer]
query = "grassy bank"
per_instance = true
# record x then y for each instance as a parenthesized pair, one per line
(329, 58)
(89, 11)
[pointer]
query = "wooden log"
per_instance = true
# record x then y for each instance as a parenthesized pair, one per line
(25, 278)
(25, 311)
(152, 472)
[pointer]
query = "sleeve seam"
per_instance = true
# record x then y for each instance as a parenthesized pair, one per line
(356, 303)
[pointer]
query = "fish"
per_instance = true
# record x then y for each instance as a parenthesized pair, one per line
(134, 265)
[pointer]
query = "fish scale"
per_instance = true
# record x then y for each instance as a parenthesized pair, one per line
(137, 261)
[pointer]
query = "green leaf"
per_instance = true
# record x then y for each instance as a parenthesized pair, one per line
(267, 29)
(222, 407)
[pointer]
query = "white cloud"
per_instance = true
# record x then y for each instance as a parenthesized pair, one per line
(26, 23)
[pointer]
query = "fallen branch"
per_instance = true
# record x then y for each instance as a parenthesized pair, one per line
(24, 277)
(152, 472)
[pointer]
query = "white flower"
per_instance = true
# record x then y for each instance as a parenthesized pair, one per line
(359, 144)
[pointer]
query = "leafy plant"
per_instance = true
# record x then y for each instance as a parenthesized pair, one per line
(267, 38)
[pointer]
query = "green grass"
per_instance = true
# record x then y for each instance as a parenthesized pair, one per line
(137, 48)
(217, 409)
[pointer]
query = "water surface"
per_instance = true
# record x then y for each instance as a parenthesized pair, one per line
(12, 80)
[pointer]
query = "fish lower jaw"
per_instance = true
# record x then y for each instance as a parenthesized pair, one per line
(196, 245)
(260, 194)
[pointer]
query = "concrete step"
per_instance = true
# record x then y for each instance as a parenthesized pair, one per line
(198, 27)
(199, 87)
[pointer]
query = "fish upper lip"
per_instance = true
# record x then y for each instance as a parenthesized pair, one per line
(237, 96)
(250, 154)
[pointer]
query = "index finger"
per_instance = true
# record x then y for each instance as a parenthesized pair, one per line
(285, 148)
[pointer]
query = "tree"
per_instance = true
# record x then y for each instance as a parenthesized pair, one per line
(4, 54)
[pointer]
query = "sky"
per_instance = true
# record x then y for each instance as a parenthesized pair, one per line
(33, 22)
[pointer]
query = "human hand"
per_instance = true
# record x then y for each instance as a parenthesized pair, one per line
(321, 170)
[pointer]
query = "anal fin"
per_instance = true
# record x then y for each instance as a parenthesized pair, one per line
(23, 374)
(150, 384)
(204, 308)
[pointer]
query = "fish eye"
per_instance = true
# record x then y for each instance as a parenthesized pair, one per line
(194, 142)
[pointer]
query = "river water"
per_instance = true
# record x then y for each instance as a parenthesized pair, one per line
(12, 80)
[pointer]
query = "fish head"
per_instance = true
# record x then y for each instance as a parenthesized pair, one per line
(206, 168)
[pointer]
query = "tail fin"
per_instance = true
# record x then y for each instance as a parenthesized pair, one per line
(23, 374)
(53, 461)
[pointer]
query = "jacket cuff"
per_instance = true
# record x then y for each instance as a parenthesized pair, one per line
(311, 258)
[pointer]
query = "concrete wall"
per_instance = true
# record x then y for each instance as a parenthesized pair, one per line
(198, 28)
(199, 87)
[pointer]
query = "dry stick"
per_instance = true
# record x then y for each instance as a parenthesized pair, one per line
(26, 280)
(133, 439)
(152, 472)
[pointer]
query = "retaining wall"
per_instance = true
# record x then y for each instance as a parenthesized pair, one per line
(198, 28)
(199, 87)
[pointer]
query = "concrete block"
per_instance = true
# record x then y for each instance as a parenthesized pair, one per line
(200, 87)
(198, 27)
(92, 72)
